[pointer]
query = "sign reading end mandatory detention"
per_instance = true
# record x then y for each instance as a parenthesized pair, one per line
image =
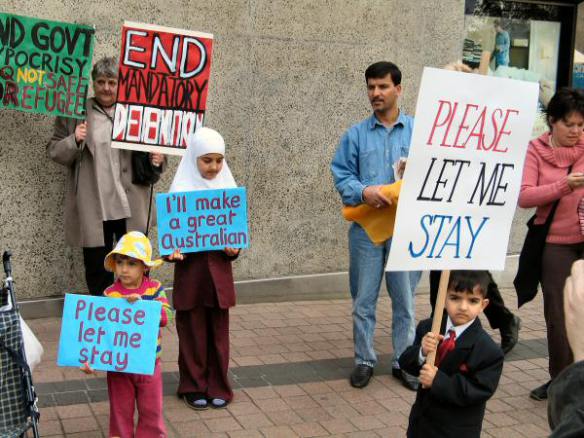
(162, 90)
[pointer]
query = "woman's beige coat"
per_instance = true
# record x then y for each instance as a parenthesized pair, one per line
(83, 215)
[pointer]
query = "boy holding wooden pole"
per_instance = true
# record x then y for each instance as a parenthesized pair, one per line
(451, 400)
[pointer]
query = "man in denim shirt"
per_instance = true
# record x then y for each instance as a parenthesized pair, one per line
(363, 163)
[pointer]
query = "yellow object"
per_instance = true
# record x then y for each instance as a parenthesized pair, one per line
(133, 244)
(377, 222)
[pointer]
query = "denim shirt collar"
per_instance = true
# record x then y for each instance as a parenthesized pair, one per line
(374, 122)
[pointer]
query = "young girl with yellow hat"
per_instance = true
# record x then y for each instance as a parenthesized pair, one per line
(131, 261)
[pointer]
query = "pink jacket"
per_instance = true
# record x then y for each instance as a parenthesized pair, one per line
(545, 180)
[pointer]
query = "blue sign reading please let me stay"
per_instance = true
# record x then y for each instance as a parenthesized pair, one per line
(109, 334)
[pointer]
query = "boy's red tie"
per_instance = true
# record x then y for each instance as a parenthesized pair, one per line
(446, 346)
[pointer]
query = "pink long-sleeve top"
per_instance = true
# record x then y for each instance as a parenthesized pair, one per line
(545, 180)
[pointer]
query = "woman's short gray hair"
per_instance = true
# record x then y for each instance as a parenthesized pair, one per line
(106, 66)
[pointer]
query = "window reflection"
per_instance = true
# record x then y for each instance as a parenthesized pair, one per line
(514, 40)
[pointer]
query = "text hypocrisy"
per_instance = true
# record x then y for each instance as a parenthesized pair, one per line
(44, 65)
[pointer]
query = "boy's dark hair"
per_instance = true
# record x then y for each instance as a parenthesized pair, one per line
(466, 281)
(381, 69)
(565, 102)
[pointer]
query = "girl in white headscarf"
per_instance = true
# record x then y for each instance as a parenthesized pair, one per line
(203, 286)
(203, 166)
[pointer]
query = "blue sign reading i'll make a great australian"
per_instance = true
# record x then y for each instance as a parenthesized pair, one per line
(202, 220)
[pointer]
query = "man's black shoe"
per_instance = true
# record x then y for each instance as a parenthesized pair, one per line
(409, 381)
(541, 392)
(510, 335)
(361, 375)
(396, 372)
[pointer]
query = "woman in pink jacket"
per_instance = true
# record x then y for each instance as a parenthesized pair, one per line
(554, 171)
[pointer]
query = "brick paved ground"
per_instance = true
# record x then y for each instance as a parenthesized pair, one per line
(289, 367)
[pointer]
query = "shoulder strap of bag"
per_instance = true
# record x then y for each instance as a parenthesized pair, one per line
(100, 109)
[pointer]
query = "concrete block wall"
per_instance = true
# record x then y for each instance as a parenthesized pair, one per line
(286, 81)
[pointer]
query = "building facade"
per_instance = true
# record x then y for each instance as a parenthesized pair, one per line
(287, 79)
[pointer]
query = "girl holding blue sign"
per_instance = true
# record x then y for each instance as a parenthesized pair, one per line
(203, 286)
(131, 260)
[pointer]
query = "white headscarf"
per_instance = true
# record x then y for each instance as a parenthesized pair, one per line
(188, 178)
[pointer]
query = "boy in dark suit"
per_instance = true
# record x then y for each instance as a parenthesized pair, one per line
(451, 401)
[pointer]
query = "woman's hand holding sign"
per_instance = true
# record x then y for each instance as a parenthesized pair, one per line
(81, 132)
(156, 159)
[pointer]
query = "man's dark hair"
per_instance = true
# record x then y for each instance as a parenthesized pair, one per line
(466, 281)
(565, 102)
(381, 69)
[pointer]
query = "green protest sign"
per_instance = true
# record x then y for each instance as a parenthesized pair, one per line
(44, 65)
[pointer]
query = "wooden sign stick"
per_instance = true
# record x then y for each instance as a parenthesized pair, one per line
(445, 276)
(439, 310)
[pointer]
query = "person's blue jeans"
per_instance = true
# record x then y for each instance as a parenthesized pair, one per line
(366, 269)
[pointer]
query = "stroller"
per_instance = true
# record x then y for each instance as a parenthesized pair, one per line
(18, 410)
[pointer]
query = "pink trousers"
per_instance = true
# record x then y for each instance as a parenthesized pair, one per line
(126, 391)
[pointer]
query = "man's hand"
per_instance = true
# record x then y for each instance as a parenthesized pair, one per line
(574, 309)
(156, 159)
(231, 252)
(401, 167)
(430, 342)
(81, 132)
(427, 374)
(374, 198)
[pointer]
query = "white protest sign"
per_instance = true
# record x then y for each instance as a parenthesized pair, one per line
(463, 172)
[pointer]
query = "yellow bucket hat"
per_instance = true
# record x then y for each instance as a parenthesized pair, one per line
(133, 244)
